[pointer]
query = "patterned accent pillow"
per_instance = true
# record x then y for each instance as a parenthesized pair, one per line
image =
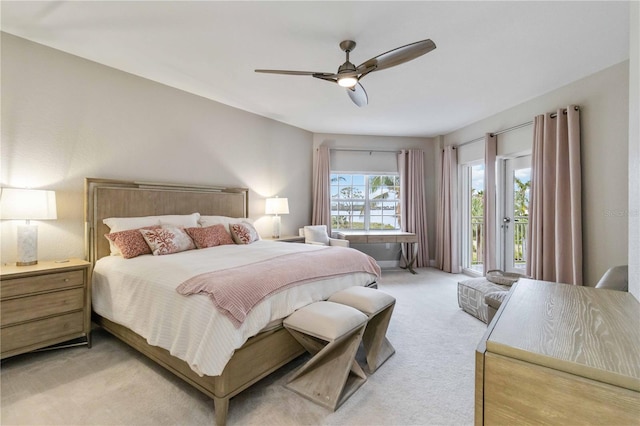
(129, 243)
(243, 233)
(167, 240)
(209, 236)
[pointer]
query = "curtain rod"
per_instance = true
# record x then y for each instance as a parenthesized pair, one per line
(365, 150)
(499, 132)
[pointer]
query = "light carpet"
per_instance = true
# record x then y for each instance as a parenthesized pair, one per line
(429, 381)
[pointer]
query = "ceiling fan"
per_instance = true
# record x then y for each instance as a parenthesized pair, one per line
(349, 76)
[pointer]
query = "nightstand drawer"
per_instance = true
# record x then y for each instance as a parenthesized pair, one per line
(42, 332)
(40, 283)
(28, 308)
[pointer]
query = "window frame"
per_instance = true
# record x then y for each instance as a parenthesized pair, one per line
(366, 200)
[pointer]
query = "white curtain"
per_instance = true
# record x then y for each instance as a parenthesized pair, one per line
(413, 204)
(447, 257)
(489, 238)
(321, 214)
(554, 244)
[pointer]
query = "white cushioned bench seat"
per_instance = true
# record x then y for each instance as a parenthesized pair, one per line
(367, 300)
(325, 320)
(331, 333)
(378, 306)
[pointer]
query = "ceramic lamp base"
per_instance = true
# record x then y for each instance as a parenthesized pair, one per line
(276, 227)
(27, 245)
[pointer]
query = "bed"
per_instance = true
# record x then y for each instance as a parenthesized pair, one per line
(219, 355)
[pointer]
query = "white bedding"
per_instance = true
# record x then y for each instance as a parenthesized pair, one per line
(140, 293)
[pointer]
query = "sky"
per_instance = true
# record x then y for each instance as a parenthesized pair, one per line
(477, 176)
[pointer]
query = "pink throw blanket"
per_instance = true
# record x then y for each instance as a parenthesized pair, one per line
(235, 291)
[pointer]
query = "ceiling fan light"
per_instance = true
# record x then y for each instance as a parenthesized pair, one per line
(347, 81)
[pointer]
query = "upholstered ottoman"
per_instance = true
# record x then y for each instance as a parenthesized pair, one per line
(471, 296)
(494, 299)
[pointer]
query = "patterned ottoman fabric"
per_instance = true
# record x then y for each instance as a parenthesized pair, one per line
(471, 296)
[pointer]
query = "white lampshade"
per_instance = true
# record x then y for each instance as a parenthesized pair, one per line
(27, 204)
(276, 206)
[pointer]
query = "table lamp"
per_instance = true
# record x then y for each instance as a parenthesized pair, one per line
(276, 206)
(27, 204)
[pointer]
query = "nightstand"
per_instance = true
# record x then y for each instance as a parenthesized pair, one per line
(44, 304)
(287, 239)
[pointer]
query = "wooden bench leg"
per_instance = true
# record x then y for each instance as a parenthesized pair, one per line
(325, 379)
(376, 345)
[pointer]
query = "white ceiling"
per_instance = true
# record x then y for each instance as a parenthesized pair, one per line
(490, 56)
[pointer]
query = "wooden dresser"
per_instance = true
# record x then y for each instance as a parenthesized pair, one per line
(560, 354)
(43, 305)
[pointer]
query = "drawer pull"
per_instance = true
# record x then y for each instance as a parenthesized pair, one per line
(66, 280)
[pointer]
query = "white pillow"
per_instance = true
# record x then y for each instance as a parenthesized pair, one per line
(224, 220)
(117, 224)
(182, 220)
(316, 234)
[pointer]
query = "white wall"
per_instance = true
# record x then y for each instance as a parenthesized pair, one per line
(428, 145)
(65, 118)
(634, 150)
(603, 98)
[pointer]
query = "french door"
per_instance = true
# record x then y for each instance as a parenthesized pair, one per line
(515, 213)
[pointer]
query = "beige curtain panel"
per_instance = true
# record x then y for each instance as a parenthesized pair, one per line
(413, 204)
(554, 243)
(489, 238)
(321, 214)
(447, 258)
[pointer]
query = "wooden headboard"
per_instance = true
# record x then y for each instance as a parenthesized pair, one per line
(115, 198)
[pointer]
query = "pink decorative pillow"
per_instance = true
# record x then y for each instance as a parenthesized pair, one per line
(130, 243)
(209, 236)
(243, 233)
(167, 240)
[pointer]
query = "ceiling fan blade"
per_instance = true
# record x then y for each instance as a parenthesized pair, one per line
(358, 95)
(293, 72)
(398, 56)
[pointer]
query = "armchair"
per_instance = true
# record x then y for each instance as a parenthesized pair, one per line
(616, 278)
(317, 234)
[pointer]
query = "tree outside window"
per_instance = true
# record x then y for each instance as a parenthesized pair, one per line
(361, 201)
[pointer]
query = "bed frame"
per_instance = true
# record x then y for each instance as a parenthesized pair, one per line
(260, 355)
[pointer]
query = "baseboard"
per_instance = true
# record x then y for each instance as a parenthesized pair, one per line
(389, 264)
(386, 264)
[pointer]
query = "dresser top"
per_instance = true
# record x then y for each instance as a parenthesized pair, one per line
(589, 332)
(41, 266)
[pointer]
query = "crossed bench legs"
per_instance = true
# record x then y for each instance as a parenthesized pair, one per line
(378, 306)
(331, 333)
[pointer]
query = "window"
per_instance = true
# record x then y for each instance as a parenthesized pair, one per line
(365, 201)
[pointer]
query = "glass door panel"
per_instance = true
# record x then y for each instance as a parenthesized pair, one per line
(516, 213)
